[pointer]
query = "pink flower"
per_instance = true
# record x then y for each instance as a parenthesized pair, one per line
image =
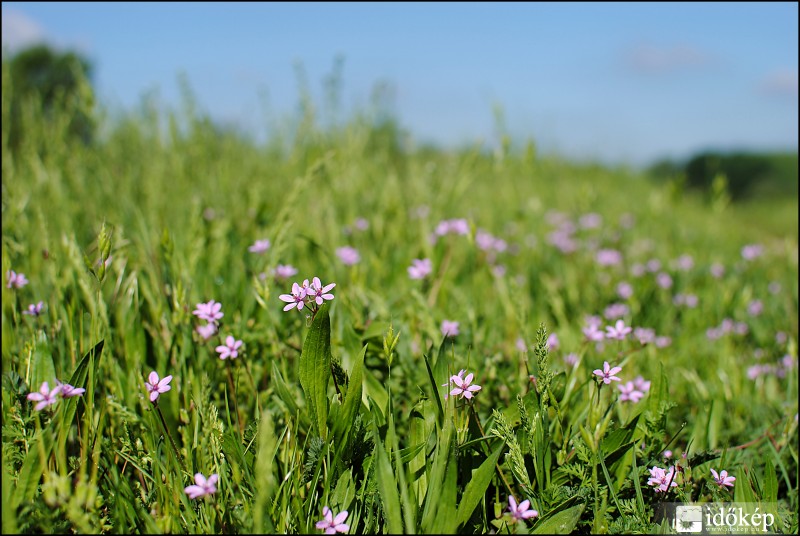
(571, 359)
(449, 328)
(450, 381)
(722, 479)
(629, 393)
(229, 349)
(348, 255)
(420, 268)
(455, 226)
(663, 342)
(618, 331)
(520, 344)
(661, 479)
(295, 299)
(664, 280)
(202, 486)
(552, 342)
(616, 310)
(320, 293)
(608, 257)
(752, 251)
(653, 265)
(593, 333)
(755, 307)
(260, 246)
(34, 310)
(644, 335)
(207, 331)
(463, 387)
(685, 262)
(331, 524)
(608, 373)
(68, 391)
(361, 224)
(641, 384)
(210, 311)
(15, 280)
(591, 220)
(156, 386)
(624, 290)
(717, 270)
(285, 271)
(521, 511)
(45, 397)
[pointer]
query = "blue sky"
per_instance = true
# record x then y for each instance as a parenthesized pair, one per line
(616, 82)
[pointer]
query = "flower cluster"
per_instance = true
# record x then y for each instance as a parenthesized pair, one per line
(633, 391)
(308, 295)
(725, 327)
(15, 280)
(47, 397)
(457, 226)
(662, 479)
(211, 312)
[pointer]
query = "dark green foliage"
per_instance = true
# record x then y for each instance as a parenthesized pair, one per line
(747, 175)
(58, 84)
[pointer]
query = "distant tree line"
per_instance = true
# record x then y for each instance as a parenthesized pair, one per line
(746, 174)
(41, 80)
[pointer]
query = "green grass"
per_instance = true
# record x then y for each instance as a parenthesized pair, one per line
(348, 410)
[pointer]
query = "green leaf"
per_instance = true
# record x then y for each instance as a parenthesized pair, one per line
(387, 485)
(477, 486)
(352, 402)
(561, 523)
(435, 388)
(315, 369)
(376, 392)
(286, 396)
(9, 513)
(743, 491)
(770, 483)
(42, 369)
(436, 497)
(267, 448)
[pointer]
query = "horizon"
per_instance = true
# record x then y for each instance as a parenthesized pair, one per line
(609, 83)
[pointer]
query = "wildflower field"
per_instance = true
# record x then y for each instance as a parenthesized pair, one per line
(339, 331)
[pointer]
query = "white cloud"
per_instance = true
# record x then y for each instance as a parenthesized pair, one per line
(781, 84)
(20, 31)
(651, 59)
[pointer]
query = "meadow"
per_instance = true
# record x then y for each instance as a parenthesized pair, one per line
(631, 341)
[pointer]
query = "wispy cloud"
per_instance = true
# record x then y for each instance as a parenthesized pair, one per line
(780, 84)
(651, 59)
(20, 31)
